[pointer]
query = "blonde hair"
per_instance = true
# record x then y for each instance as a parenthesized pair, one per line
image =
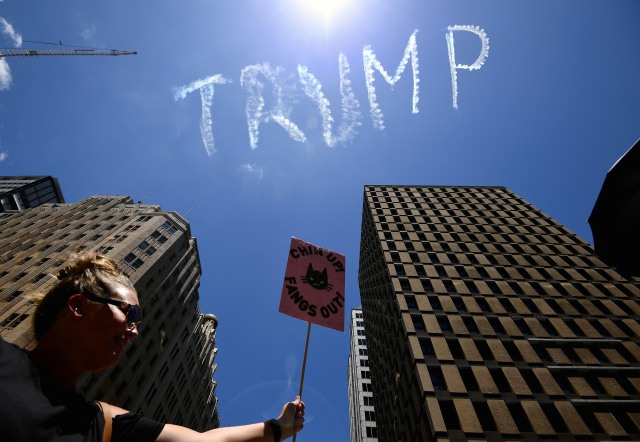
(86, 272)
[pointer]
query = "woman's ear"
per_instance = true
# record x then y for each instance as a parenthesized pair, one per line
(75, 305)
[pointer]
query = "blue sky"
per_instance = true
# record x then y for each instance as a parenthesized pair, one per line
(550, 110)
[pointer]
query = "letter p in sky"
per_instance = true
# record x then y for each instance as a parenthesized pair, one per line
(484, 52)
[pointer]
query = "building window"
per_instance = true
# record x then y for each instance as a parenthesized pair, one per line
(470, 324)
(427, 348)
(370, 416)
(13, 320)
(496, 325)
(444, 324)
(137, 263)
(437, 379)
(483, 304)
(459, 304)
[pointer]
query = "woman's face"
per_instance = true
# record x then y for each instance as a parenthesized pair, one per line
(107, 330)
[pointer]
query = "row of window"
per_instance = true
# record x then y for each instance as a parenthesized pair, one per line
(459, 218)
(136, 258)
(484, 246)
(438, 194)
(585, 266)
(527, 326)
(527, 382)
(13, 320)
(472, 213)
(507, 225)
(492, 287)
(525, 305)
(472, 351)
(544, 419)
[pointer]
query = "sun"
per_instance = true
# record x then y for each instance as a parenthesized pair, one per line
(325, 9)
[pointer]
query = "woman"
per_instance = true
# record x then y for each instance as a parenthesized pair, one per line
(83, 324)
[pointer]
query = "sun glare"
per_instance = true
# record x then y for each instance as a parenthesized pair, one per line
(327, 9)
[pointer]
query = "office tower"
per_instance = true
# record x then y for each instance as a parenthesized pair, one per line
(488, 320)
(167, 372)
(362, 416)
(24, 192)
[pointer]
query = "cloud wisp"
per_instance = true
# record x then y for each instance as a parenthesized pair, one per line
(371, 62)
(5, 75)
(88, 33)
(351, 117)
(252, 170)
(8, 31)
(484, 53)
(16, 39)
(205, 86)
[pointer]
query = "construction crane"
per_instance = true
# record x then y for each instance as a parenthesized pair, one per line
(25, 52)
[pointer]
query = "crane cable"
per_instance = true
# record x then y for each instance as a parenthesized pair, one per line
(61, 44)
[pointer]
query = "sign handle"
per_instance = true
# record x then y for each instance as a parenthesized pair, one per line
(304, 366)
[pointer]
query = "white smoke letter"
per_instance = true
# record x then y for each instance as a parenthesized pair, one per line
(205, 85)
(255, 102)
(350, 105)
(370, 62)
(484, 52)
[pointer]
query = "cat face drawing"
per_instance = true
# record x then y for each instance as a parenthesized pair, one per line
(317, 279)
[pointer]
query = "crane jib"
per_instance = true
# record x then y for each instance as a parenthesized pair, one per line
(28, 52)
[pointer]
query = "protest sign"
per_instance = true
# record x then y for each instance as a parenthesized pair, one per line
(313, 288)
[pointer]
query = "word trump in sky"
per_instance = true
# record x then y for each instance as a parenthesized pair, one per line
(313, 288)
(254, 79)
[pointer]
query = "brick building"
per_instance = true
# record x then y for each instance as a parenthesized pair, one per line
(488, 320)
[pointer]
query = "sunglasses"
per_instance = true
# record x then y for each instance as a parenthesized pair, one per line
(132, 312)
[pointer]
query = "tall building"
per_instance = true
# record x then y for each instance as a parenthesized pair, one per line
(362, 415)
(167, 372)
(24, 192)
(488, 320)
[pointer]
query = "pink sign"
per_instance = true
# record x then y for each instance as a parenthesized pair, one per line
(313, 287)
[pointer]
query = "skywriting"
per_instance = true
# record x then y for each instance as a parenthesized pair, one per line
(257, 79)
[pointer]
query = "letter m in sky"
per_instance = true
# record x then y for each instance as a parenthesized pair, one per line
(371, 62)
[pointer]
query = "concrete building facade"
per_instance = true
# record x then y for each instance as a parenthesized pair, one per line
(24, 192)
(362, 414)
(488, 320)
(167, 372)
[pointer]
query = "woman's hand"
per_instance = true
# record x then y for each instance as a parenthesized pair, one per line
(291, 418)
